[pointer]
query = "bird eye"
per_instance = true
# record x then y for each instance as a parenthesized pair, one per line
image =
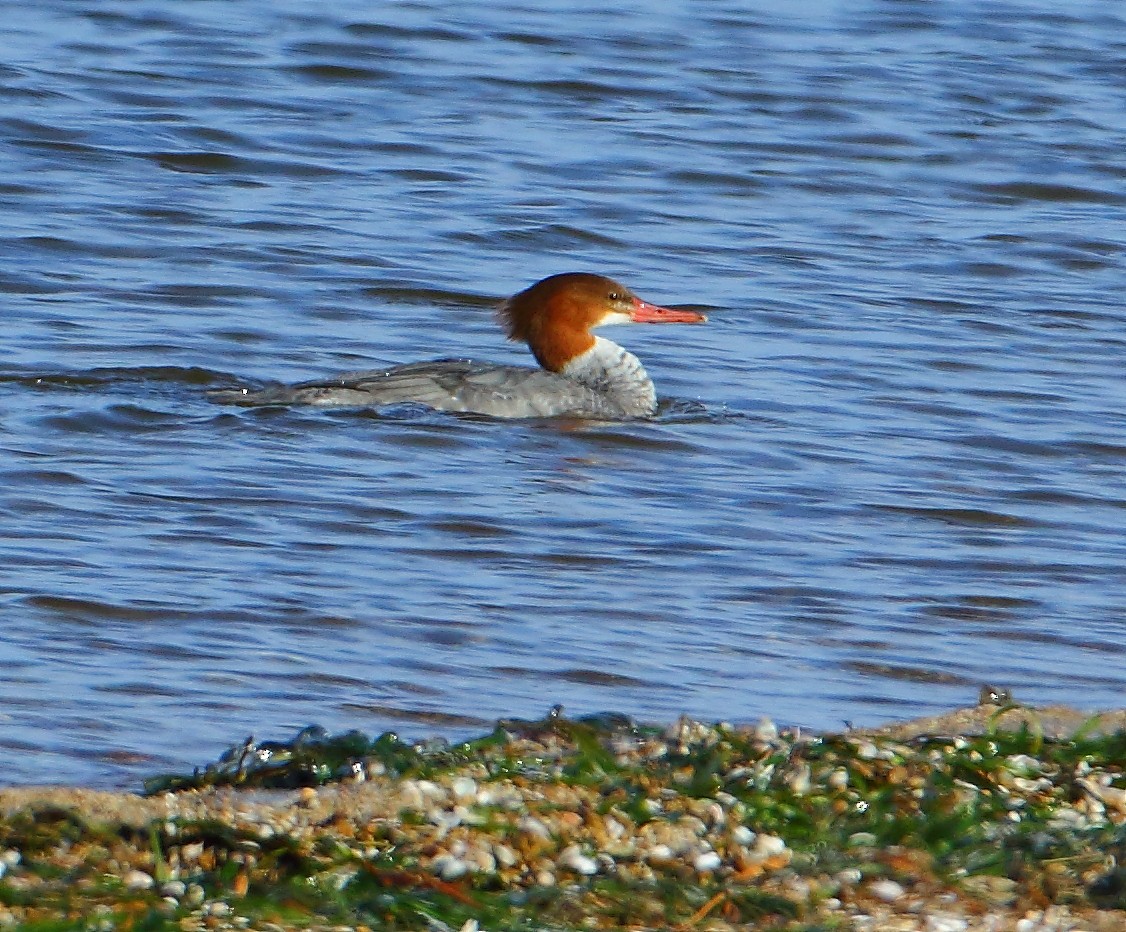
(615, 296)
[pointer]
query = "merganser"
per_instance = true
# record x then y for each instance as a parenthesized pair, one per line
(582, 375)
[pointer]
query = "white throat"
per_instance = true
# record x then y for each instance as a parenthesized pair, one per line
(617, 375)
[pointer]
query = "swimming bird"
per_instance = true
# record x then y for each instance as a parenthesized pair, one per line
(581, 375)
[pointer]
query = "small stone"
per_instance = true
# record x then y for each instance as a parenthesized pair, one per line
(533, 826)
(708, 861)
(887, 890)
(173, 888)
(505, 856)
(996, 891)
(946, 924)
(464, 788)
(742, 835)
(219, 909)
(1024, 762)
(137, 880)
(482, 860)
(800, 781)
(573, 859)
(766, 730)
(769, 845)
(713, 814)
(189, 854)
(449, 867)
(430, 790)
(1110, 796)
(411, 795)
(446, 820)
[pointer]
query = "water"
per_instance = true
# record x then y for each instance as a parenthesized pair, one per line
(888, 470)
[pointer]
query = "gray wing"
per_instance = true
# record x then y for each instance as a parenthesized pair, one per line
(445, 384)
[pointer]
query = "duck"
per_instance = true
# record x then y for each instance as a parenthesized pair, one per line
(580, 374)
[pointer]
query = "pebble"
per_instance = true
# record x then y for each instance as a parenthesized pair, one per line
(449, 867)
(996, 891)
(573, 859)
(770, 845)
(946, 924)
(713, 814)
(708, 861)
(173, 888)
(800, 780)
(533, 826)
(887, 890)
(464, 788)
(191, 853)
(137, 880)
(1110, 796)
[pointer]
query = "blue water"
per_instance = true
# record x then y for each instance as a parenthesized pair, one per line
(888, 470)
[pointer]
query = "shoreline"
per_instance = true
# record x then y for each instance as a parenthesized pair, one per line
(989, 817)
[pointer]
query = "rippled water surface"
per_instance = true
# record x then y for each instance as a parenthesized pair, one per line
(889, 469)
